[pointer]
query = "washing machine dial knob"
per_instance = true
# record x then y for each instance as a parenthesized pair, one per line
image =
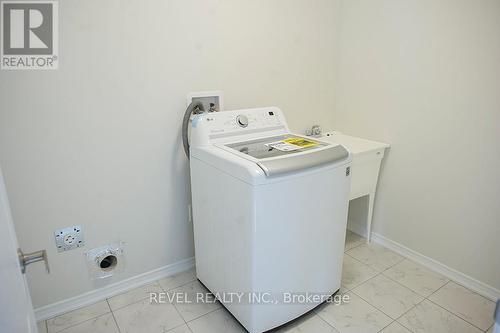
(242, 120)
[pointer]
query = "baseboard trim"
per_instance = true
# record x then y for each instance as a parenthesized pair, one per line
(73, 303)
(452, 274)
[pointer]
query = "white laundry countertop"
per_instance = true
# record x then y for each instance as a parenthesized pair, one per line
(355, 145)
(367, 156)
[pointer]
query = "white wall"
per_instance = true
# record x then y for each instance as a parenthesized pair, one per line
(424, 75)
(96, 143)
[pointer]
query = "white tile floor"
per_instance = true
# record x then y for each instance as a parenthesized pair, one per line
(388, 294)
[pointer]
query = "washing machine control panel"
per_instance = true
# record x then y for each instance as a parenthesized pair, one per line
(242, 120)
(239, 122)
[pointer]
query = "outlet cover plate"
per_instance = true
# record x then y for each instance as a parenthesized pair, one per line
(69, 238)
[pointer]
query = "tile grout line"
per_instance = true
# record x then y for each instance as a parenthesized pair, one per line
(320, 318)
(114, 318)
(185, 323)
(211, 311)
(396, 320)
(179, 313)
(81, 322)
(377, 307)
(106, 299)
(142, 299)
(403, 258)
(430, 269)
(378, 274)
(438, 289)
(176, 327)
(362, 283)
(413, 291)
(382, 273)
(124, 306)
(383, 328)
(400, 261)
(472, 291)
(347, 254)
(177, 310)
(355, 246)
(427, 298)
(432, 293)
(173, 288)
(362, 243)
(173, 304)
(424, 297)
(455, 315)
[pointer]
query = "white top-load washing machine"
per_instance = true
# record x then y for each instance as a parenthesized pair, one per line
(269, 213)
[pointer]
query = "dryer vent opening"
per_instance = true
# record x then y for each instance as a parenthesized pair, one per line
(108, 263)
(105, 261)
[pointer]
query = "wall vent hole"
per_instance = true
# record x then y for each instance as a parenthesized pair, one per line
(108, 263)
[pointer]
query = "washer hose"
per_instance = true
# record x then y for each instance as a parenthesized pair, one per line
(194, 107)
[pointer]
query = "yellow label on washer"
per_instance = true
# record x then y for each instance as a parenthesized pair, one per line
(301, 142)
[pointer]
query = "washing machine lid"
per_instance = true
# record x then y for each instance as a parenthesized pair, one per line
(287, 153)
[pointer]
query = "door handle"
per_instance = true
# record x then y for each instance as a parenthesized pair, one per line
(29, 258)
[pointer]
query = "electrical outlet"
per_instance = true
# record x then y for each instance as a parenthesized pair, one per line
(211, 100)
(69, 238)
